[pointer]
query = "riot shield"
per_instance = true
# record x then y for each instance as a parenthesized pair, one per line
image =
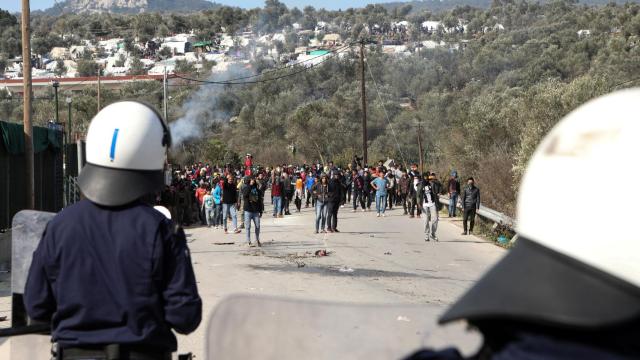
(260, 327)
(27, 229)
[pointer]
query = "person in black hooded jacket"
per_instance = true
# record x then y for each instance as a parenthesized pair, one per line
(252, 204)
(336, 189)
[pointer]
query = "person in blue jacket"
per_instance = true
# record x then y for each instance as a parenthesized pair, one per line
(217, 200)
(111, 274)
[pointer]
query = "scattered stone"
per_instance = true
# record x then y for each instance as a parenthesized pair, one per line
(321, 253)
(388, 253)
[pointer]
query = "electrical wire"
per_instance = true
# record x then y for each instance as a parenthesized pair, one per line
(375, 85)
(624, 83)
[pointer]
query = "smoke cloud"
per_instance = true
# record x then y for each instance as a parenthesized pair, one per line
(203, 108)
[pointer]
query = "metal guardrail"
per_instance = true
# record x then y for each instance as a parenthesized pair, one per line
(489, 214)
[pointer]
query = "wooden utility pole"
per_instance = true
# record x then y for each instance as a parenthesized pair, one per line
(364, 105)
(420, 146)
(164, 96)
(27, 124)
(99, 105)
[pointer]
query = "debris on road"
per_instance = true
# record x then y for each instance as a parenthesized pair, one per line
(403, 318)
(300, 264)
(345, 269)
(388, 253)
(224, 243)
(321, 253)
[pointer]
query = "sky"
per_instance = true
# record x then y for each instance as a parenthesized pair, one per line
(14, 5)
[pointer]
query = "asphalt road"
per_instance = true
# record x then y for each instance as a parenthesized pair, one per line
(372, 260)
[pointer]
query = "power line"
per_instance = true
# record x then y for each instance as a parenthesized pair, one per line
(375, 85)
(624, 83)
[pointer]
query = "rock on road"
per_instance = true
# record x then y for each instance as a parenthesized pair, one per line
(372, 260)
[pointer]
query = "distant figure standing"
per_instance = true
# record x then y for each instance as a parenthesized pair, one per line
(336, 189)
(392, 185)
(299, 194)
(403, 191)
(357, 183)
(199, 196)
(454, 191)
(248, 163)
(309, 182)
(276, 195)
(430, 205)
(380, 185)
(252, 202)
(470, 203)
(208, 206)
(217, 199)
(230, 203)
(320, 192)
(287, 192)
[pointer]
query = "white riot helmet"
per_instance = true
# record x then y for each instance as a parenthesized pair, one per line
(126, 150)
(575, 265)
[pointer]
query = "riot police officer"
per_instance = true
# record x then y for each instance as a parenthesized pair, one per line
(112, 275)
(570, 288)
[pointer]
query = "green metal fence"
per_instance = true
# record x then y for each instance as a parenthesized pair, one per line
(48, 175)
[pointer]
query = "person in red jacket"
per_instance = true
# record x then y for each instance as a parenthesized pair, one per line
(248, 162)
(200, 193)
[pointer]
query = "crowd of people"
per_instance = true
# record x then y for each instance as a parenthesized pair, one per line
(215, 196)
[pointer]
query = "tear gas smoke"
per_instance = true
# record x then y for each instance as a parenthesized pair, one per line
(203, 107)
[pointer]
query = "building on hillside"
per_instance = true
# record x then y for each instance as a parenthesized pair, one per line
(394, 49)
(190, 38)
(331, 40)
(177, 47)
(77, 52)
(321, 26)
(59, 53)
(311, 58)
(430, 44)
(584, 33)
(202, 46)
(279, 37)
(431, 26)
(111, 45)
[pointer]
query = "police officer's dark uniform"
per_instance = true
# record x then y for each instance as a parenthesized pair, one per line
(112, 274)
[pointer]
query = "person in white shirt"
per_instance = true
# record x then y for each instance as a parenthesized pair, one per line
(430, 210)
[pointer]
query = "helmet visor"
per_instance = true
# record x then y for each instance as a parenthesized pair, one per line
(536, 284)
(115, 187)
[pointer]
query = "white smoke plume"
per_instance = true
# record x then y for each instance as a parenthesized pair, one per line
(202, 109)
